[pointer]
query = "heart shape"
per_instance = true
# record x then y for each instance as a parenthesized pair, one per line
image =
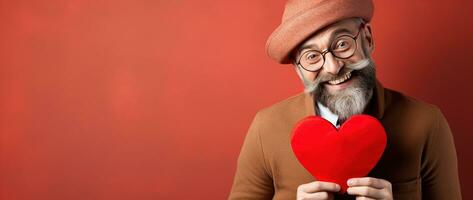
(337, 155)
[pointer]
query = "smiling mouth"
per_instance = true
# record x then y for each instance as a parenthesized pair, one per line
(340, 80)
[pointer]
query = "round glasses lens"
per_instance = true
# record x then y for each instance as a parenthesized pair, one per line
(343, 47)
(311, 60)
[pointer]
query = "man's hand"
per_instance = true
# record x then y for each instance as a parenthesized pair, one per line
(370, 188)
(317, 190)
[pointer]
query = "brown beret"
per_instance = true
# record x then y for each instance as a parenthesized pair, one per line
(302, 18)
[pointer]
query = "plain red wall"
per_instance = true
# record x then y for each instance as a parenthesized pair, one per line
(152, 99)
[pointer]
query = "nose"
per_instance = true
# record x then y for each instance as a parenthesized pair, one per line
(332, 65)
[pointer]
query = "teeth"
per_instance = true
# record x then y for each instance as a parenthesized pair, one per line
(341, 79)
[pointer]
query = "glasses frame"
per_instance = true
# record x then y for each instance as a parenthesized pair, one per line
(330, 50)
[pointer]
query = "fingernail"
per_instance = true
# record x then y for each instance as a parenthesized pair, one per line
(350, 182)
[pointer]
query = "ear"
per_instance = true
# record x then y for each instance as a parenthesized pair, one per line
(368, 37)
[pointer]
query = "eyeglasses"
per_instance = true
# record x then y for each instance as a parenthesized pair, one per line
(342, 47)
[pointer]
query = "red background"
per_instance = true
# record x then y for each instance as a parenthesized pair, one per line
(152, 99)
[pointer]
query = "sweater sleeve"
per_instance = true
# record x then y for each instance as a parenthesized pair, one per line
(439, 171)
(252, 179)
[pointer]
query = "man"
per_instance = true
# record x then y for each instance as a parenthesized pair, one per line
(330, 42)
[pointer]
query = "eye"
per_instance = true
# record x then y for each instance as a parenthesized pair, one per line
(312, 56)
(342, 44)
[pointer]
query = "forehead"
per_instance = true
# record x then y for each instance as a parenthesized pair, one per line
(321, 38)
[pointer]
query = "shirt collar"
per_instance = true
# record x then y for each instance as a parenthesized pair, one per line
(327, 114)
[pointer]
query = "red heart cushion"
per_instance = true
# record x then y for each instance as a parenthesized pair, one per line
(337, 155)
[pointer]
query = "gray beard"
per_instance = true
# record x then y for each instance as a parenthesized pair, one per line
(349, 101)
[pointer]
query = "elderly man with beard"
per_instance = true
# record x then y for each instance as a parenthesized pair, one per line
(329, 43)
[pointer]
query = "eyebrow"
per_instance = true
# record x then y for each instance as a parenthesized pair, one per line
(335, 33)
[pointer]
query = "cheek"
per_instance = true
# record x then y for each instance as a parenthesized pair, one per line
(311, 76)
(358, 56)
(362, 52)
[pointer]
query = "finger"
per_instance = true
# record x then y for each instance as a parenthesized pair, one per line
(319, 195)
(364, 198)
(367, 181)
(318, 186)
(366, 191)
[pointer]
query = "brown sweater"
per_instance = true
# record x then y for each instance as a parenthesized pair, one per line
(420, 159)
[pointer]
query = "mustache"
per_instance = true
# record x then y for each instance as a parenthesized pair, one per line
(346, 69)
(311, 86)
